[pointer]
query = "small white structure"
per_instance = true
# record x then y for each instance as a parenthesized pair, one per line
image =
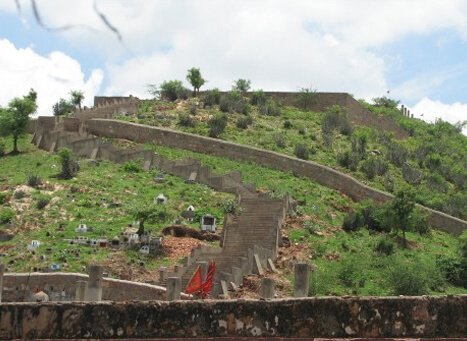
(34, 245)
(159, 178)
(189, 214)
(160, 199)
(55, 267)
(208, 223)
(191, 208)
(81, 240)
(133, 238)
(82, 228)
(144, 250)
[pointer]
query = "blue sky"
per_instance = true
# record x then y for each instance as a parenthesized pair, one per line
(416, 49)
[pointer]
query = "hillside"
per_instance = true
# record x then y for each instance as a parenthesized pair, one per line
(430, 161)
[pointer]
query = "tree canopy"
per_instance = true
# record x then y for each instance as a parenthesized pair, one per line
(242, 85)
(14, 119)
(77, 97)
(196, 80)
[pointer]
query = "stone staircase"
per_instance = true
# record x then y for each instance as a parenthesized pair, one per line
(250, 238)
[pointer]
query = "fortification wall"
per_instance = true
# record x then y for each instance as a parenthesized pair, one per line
(322, 174)
(17, 287)
(368, 317)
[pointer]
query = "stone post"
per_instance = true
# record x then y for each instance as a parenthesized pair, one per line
(2, 271)
(94, 287)
(302, 279)
(80, 290)
(267, 288)
(162, 274)
(402, 109)
(174, 288)
(204, 268)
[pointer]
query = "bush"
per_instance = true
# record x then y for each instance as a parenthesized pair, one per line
(287, 124)
(42, 202)
(244, 122)
(258, 97)
(19, 195)
(6, 215)
(242, 85)
(412, 175)
(233, 102)
(3, 197)
(453, 269)
(352, 222)
(211, 97)
(230, 206)
(279, 140)
(269, 108)
(173, 90)
(348, 160)
(368, 215)
(415, 278)
(396, 154)
(384, 247)
(385, 102)
(217, 125)
(69, 167)
(192, 109)
(336, 119)
(131, 167)
(34, 181)
(186, 120)
(63, 107)
(2, 148)
(306, 98)
(301, 131)
(301, 151)
(374, 166)
(350, 272)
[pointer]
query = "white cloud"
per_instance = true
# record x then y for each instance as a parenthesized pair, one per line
(429, 110)
(52, 76)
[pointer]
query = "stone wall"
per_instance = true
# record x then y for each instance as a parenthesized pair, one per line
(324, 175)
(17, 287)
(369, 317)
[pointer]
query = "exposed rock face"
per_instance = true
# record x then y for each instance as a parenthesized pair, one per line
(371, 317)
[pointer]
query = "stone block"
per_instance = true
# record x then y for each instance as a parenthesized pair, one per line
(301, 279)
(257, 267)
(267, 288)
(271, 265)
(174, 288)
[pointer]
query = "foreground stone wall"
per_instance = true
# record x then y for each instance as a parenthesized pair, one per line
(369, 317)
(324, 175)
(17, 287)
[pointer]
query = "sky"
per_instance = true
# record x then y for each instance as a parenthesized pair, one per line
(416, 50)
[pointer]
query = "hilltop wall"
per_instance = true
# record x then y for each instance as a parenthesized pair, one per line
(332, 317)
(324, 175)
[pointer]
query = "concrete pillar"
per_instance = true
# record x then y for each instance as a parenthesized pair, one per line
(162, 274)
(402, 109)
(80, 290)
(267, 288)
(94, 287)
(301, 279)
(204, 268)
(2, 271)
(408, 113)
(174, 288)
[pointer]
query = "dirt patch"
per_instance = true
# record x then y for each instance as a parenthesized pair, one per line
(185, 231)
(179, 247)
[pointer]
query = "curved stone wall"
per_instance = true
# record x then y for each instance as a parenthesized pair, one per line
(323, 175)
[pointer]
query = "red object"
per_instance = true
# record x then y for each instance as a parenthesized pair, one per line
(196, 285)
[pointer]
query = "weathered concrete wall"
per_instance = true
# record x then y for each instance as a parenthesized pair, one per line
(369, 317)
(324, 175)
(16, 287)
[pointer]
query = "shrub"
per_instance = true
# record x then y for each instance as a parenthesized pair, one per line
(384, 247)
(233, 102)
(301, 151)
(350, 272)
(453, 269)
(131, 167)
(186, 120)
(62, 107)
(385, 102)
(242, 85)
(359, 144)
(258, 97)
(352, 222)
(173, 90)
(348, 160)
(6, 215)
(34, 181)
(2, 148)
(69, 167)
(301, 131)
(415, 278)
(211, 97)
(230, 206)
(374, 166)
(217, 125)
(244, 122)
(396, 154)
(269, 108)
(412, 175)
(192, 109)
(19, 195)
(3, 197)
(279, 140)
(42, 202)
(287, 124)
(336, 119)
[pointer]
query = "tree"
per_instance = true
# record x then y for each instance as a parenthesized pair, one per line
(69, 167)
(172, 90)
(385, 102)
(307, 97)
(242, 85)
(15, 118)
(62, 107)
(196, 80)
(76, 98)
(400, 210)
(148, 213)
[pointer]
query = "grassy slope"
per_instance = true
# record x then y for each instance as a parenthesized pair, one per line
(306, 129)
(316, 229)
